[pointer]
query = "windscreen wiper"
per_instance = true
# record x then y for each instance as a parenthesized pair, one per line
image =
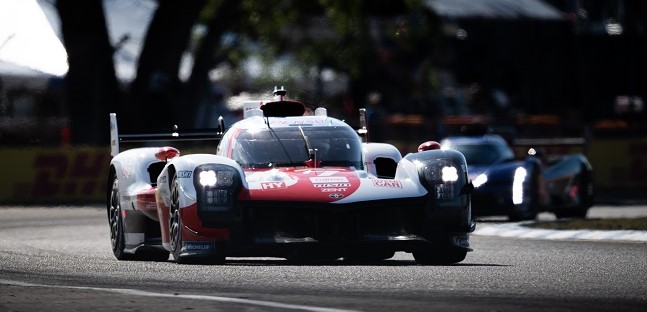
(312, 153)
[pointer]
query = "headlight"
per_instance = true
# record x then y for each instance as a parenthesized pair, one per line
(480, 180)
(517, 185)
(208, 178)
(443, 173)
(449, 174)
(212, 178)
(217, 187)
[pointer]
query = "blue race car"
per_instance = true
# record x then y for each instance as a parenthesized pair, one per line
(521, 188)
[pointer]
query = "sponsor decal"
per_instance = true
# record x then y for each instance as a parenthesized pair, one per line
(184, 174)
(320, 179)
(331, 184)
(336, 195)
(192, 246)
(274, 185)
(387, 183)
(162, 179)
(334, 189)
(305, 122)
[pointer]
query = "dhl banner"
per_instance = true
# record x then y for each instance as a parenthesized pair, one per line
(79, 175)
(56, 175)
(620, 164)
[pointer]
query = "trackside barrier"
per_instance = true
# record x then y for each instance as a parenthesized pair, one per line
(78, 175)
(54, 175)
(620, 164)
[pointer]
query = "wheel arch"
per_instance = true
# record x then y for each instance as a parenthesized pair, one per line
(112, 173)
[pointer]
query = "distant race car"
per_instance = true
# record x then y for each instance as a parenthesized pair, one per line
(285, 182)
(521, 188)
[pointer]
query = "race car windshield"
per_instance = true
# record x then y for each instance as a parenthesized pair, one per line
(282, 147)
(479, 154)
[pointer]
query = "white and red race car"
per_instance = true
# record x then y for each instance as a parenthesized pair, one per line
(286, 183)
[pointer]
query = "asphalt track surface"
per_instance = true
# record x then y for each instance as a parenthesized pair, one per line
(59, 259)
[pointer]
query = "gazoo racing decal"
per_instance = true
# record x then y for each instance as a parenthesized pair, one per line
(387, 183)
(324, 185)
(332, 187)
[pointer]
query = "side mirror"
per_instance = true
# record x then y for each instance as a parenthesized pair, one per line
(429, 145)
(166, 152)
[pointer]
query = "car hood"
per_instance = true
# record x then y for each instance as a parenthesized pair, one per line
(503, 171)
(338, 185)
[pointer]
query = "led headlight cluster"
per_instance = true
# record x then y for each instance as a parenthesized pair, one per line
(443, 173)
(440, 177)
(216, 187)
(517, 185)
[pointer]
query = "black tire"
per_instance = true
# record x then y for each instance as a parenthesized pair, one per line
(116, 223)
(175, 233)
(584, 192)
(584, 198)
(439, 256)
(117, 237)
(175, 224)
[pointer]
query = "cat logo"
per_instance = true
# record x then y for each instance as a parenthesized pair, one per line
(387, 183)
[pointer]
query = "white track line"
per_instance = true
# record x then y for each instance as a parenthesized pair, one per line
(136, 292)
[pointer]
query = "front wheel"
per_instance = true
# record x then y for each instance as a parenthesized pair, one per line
(175, 223)
(175, 230)
(581, 193)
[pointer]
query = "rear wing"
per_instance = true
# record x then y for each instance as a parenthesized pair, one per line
(175, 135)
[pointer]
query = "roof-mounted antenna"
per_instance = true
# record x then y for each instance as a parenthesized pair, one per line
(363, 123)
(221, 125)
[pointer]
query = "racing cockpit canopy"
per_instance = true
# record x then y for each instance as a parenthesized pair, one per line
(288, 146)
